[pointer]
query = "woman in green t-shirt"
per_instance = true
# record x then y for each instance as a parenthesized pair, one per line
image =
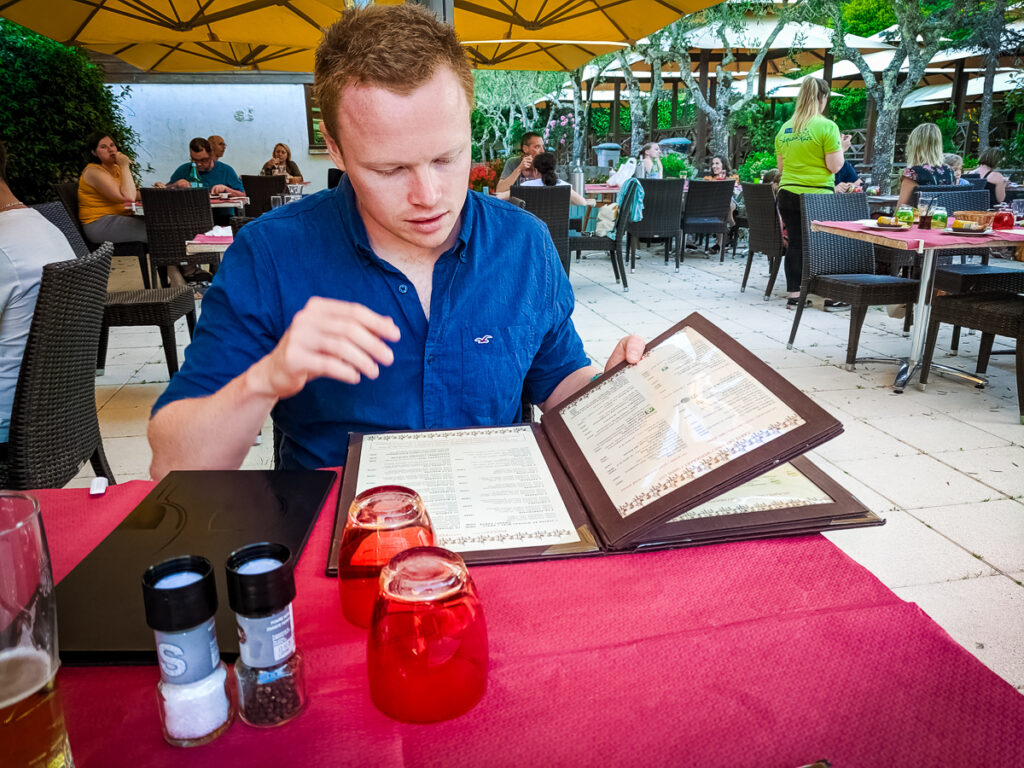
(810, 151)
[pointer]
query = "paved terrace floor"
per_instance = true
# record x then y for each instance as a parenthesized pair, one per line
(944, 467)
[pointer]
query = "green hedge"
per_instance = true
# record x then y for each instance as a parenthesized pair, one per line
(51, 98)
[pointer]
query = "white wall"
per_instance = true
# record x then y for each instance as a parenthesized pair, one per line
(250, 117)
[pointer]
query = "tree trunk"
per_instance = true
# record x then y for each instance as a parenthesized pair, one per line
(985, 117)
(884, 147)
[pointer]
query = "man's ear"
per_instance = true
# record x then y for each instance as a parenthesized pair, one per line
(332, 148)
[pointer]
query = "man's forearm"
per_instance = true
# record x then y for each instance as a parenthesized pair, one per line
(570, 385)
(505, 184)
(212, 432)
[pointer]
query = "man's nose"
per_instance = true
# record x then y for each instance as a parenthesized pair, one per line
(425, 187)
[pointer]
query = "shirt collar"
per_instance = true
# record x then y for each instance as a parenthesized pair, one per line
(348, 209)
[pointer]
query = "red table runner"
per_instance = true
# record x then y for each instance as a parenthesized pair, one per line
(931, 238)
(770, 653)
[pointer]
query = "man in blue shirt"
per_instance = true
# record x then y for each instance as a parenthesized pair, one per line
(216, 176)
(398, 300)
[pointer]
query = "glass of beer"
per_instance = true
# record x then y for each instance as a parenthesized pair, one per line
(382, 522)
(32, 731)
(427, 653)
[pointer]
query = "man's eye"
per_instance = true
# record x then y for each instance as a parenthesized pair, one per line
(388, 171)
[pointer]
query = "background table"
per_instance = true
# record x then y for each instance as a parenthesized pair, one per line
(772, 653)
(926, 242)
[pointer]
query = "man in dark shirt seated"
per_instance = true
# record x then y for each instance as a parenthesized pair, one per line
(216, 176)
(399, 299)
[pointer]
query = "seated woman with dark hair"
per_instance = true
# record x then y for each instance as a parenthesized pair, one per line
(995, 182)
(104, 187)
(544, 163)
(719, 169)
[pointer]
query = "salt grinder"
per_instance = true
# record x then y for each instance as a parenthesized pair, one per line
(193, 694)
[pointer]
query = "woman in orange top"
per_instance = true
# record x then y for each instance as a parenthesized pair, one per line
(104, 187)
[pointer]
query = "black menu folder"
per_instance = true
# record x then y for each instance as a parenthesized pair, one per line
(100, 615)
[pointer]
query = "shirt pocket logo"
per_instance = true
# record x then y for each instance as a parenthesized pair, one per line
(485, 339)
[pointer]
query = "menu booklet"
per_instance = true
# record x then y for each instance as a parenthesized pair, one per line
(697, 443)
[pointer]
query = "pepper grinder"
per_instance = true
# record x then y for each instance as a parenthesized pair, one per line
(268, 673)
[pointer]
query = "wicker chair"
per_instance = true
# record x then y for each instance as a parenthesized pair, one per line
(707, 210)
(156, 306)
(237, 222)
(991, 313)
(67, 193)
(54, 427)
(842, 269)
(551, 205)
(765, 232)
(172, 217)
(259, 190)
(588, 241)
(931, 189)
(663, 211)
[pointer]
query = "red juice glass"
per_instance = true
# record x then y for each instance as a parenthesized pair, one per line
(427, 652)
(382, 522)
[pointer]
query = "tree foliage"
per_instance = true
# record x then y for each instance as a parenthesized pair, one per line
(868, 17)
(505, 107)
(51, 98)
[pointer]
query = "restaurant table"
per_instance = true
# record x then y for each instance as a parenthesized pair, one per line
(600, 191)
(767, 653)
(215, 202)
(926, 242)
(208, 244)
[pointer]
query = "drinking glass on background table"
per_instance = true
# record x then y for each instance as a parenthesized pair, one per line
(276, 201)
(382, 522)
(427, 652)
(32, 731)
(1017, 206)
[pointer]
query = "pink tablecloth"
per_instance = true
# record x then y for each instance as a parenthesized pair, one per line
(772, 653)
(931, 238)
(600, 189)
(213, 239)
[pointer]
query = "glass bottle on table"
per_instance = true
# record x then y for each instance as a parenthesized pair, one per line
(1003, 218)
(905, 215)
(193, 177)
(382, 522)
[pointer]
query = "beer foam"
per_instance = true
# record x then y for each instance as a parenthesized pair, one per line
(23, 672)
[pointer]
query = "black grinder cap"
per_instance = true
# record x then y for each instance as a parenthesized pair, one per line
(179, 608)
(259, 594)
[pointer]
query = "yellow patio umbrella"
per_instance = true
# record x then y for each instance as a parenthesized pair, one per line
(536, 54)
(210, 57)
(96, 22)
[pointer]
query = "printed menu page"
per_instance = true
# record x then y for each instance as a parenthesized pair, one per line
(483, 488)
(782, 487)
(683, 410)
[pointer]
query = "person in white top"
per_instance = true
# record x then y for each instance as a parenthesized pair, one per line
(649, 162)
(545, 165)
(27, 243)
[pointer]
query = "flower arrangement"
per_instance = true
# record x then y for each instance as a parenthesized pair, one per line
(485, 175)
(559, 127)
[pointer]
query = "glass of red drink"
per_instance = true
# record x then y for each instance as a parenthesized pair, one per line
(427, 654)
(382, 522)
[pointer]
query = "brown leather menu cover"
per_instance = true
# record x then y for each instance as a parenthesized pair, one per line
(719, 503)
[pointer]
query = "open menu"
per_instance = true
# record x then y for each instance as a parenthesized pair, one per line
(698, 442)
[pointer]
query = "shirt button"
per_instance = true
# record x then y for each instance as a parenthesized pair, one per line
(403, 288)
(430, 359)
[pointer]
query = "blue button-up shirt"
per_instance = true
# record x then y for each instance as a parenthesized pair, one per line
(500, 321)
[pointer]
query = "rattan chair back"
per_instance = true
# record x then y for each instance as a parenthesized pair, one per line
(765, 230)
(551, 205)
(706, 209)
(663, 207)
(57, 214)
(172, 217)
(931, 189)
(826, 254)
(237, 222)
(964, 199)
(259, 190)
(54, 428)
